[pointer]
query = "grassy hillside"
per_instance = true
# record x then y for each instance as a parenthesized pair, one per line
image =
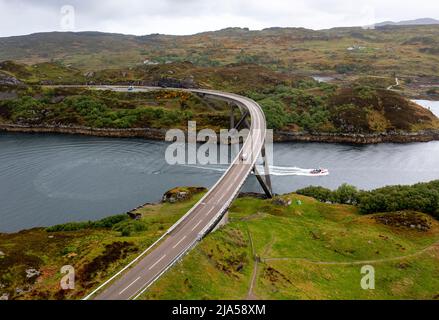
(42, 73)
(293, 247)
(291, 103)
(309, 250)
(106, 109)
(405, 50)
(238, 77)
(355, 108)
(95, 249)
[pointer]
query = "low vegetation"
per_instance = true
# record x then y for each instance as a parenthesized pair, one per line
(291, 247)
(422, 197)
(31, 260)
(103, 109)
(300, 248)
(408, 51)
(291, 103)
(317, 108)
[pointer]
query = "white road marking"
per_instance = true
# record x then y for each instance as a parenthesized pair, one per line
(221, 199)
(179, 242)
(210, 211)
(129, 286)
(156, 263)
(240, 170)
(197, 225)
(251, 146)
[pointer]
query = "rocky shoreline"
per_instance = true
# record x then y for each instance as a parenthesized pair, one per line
(280, 136)
(356, 138)
(146, 133)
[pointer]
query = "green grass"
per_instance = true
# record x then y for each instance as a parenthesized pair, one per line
(310, 250)
(96, 251)
(408, 51)
(291, 103)
(106, 109)
(322, 248)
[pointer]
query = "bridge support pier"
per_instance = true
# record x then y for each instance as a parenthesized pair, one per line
(263, 179)
(232, 115)
(222, 222)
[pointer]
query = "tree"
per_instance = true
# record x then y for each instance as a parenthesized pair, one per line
(319, 193)
(346, 194)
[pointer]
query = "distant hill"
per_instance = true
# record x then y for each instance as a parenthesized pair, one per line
(416, 22)
(291, 103)
(383, 51)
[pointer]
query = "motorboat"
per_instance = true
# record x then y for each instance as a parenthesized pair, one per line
(319, 172)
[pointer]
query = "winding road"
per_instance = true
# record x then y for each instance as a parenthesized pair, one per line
(137, 277)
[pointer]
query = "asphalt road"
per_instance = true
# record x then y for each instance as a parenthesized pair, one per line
(187, 232)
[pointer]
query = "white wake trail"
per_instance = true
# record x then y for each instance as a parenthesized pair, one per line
(274, 170)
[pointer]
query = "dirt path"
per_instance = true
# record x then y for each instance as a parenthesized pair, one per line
(361, 262)
(250, 294)
(394, 85)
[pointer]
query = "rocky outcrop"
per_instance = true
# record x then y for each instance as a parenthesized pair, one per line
(181, 194)
(185, 83)
(8, 95)
(7, 80)
(405, 219)
(373, 138)
(282, 202)
(280, 136)
(255, 195)
(147, 133)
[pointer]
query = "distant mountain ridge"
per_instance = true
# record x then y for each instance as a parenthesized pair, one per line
(353, 50)
(422, 21)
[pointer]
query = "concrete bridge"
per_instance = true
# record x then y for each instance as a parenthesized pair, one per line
(141, 273)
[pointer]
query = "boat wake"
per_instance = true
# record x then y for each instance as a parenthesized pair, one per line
(295, 171)
(274, 170)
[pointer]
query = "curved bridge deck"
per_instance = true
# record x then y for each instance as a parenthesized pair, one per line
(199, 220)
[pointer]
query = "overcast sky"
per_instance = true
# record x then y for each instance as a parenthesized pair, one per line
(142, 17)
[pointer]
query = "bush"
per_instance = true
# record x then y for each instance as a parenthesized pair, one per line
(72, 226)
(319, 193)
(285, 106)
(26, 108)
(345, 68)
(422, 197)
(274, 110)
(106, 223)
(346, 194)
(109, 222)
(126, 228)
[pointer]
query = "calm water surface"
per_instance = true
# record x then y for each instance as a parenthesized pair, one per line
(432, 105)
(52, 179)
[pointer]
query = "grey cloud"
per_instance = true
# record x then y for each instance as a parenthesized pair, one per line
(190, 16)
